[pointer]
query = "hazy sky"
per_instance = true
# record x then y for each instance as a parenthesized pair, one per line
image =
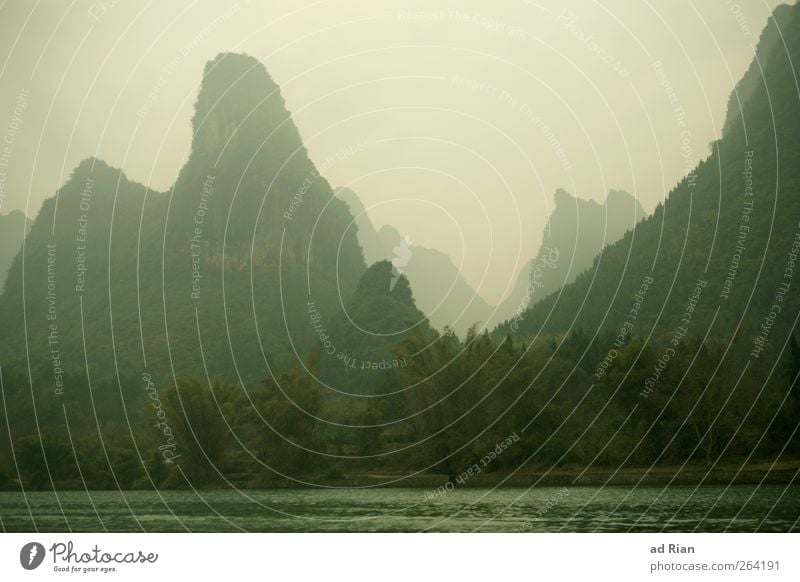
(454, 121)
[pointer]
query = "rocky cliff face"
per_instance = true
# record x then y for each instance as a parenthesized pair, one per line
(210, 278)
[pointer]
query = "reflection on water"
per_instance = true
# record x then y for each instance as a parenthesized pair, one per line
(546, 509)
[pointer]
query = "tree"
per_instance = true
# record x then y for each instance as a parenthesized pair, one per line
(201, 427)
(44, 457)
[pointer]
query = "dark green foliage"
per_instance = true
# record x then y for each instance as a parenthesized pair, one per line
(202, 418)
(694, 234)
(13, 229)
(362, 337)
(562, 390)
(575, 230)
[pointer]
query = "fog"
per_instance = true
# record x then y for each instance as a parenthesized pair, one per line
(453, 121)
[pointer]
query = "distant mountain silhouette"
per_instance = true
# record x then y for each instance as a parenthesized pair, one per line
(627, 346)
(212, 278)
(439, 288)
(724, 243)
(364, 336)
(576, 232)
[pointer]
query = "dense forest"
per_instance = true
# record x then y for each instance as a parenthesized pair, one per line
(230, 333)
(441, 415)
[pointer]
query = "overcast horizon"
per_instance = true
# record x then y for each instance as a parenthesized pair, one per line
(386, 267)
(453, 122)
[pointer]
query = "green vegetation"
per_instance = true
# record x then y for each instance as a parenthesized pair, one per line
(676, 346)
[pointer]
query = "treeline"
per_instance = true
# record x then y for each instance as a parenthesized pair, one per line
(571, 403)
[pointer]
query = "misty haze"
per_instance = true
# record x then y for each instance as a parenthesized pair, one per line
(383, 267)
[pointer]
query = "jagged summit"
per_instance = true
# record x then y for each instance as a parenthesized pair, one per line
(615, 196)
(563, 197)
(439, 289)
(92, 165)
(248, 230)
(91, 184)
(383, 279)
(238, 97)
(623, 203)
(694, 240)
(576, 231)
(377, 318)
(250, 176)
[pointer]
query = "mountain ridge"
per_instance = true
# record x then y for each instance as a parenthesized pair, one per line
(453, 304)
(199, 270)
(595, 225)
(729, 200)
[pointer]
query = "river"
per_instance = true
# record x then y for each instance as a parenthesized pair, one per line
(741, 508)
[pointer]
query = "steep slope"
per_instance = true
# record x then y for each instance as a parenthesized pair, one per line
(59, 351)
(371, 244)
(359, 342)
(271, 237)
(723, 247)
(13, 228)
(575, 232)
(440, 290)
(770, 40)
(116, 281)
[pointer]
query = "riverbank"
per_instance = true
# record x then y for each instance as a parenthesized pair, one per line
(752, 474)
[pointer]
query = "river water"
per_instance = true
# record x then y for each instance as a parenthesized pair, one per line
(741, 508)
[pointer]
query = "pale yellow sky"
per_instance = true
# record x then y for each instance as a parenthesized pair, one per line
(454, 121)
